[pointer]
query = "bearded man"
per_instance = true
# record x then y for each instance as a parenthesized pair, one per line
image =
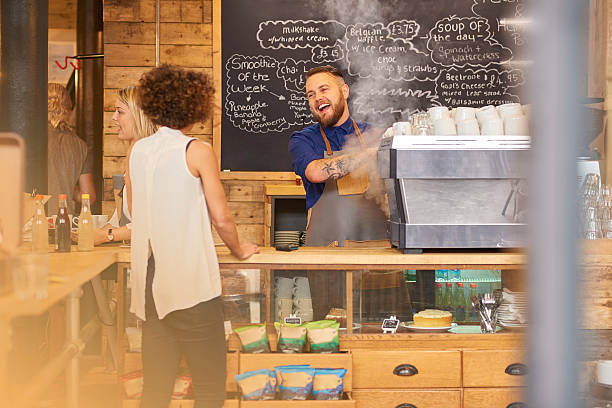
(337, 208)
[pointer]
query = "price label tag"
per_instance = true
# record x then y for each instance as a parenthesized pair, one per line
(390, 325)
(293, 319)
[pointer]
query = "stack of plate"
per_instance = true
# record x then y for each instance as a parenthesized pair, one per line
(287, 238)
(513, 310)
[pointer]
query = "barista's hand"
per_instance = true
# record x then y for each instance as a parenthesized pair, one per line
(246, 250)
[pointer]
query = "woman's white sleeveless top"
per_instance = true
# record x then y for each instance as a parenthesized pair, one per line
(169, 211)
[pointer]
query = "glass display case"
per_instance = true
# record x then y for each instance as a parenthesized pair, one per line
(250, 297)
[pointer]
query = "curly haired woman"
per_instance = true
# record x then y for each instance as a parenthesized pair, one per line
(175, 193)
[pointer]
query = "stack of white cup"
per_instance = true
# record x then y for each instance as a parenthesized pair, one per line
(293, 296)
(508, 119)
(465, 120)
(302, 300)
(443, 123)
(283, 291)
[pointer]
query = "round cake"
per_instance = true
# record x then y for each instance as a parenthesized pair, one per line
(433, 318)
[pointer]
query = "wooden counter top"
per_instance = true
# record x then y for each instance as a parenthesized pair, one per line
(357, 258)
(67, 271)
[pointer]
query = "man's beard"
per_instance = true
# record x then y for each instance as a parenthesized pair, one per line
(338, 108)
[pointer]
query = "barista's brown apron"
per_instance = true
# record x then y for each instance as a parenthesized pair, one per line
(336, 218)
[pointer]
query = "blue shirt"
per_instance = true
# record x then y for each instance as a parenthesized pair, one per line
(308, 145)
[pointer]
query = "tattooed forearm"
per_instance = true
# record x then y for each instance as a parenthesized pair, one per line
(318, 171)
(338, 167)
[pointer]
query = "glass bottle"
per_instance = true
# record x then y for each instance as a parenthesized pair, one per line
(447, 301)
(439, 295)
(40, 228)
(472, 311)
(85, 242)
(459, 303)
(62, 226)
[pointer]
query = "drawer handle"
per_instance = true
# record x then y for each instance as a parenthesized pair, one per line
(405, 370)
(517, 405)
(516, 369)
(406, 405)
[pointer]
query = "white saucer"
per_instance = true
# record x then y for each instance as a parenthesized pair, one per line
(409, 326)
(355, 327)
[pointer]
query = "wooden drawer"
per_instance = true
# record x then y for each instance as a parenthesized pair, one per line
(435, 369)
(492, 397)
(250, 362)
(181, 404)
(348, 403)
(489, 368)
(415, 398)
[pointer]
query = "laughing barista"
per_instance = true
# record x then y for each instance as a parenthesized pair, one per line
(337, 208)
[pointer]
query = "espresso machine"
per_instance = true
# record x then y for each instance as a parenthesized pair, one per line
(455, 191)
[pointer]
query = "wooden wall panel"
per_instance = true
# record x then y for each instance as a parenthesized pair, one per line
(186, 39)
(596, 307)
(62, 14)
(185, 34)
(126, 55)
(180, 11)
(121, 76)
(129, 33)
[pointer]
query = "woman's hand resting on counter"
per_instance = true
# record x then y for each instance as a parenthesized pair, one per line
(246, 250)
(100, 236)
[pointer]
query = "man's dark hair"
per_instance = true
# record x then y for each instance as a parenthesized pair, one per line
(175, 97)
(325, 68)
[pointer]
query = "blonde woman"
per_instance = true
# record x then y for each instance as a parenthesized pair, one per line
(133, 125)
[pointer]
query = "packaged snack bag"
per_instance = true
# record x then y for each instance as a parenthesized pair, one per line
(291, 337)
(182, 386)
(255, 385)
(323, 336)
(132, 384)
(277, 372)
(254, 338)
(296, 383)
(328, 383)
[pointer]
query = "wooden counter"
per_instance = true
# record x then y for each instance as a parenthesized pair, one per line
(67, 272)
(356, 258)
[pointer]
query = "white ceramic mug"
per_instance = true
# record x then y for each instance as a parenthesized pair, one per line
(516, 125)
(464, 113)
(604, 372)
(438, 112)
(527, 112)
(485, 113)
(509, 109)
(402, 129)
(468, 127)
(99, 220)
(492, 127)
(444, 127)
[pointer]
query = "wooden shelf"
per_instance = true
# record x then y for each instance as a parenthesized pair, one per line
(284, 190)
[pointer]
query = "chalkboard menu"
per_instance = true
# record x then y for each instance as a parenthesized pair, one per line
(398, 57)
